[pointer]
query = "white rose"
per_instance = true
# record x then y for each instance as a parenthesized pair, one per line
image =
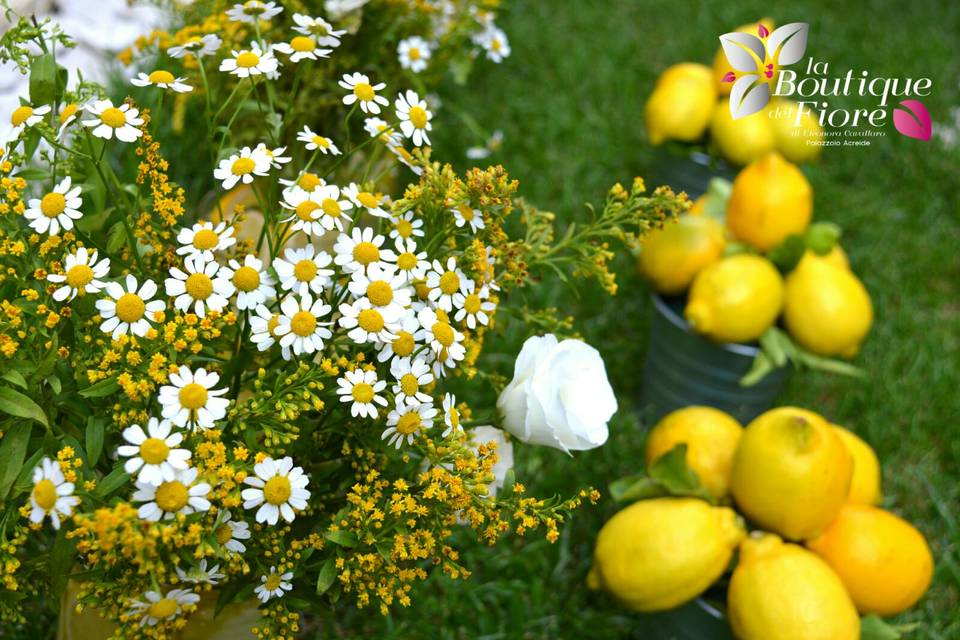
(559, 395)
(485, 434)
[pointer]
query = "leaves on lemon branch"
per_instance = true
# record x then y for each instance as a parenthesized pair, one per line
(669, 475)
(778, 350)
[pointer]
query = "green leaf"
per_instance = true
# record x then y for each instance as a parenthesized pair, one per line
(821, 237)
(872, 627)
(55, 384)
(111, 482)
(94, 439)
(14, 377)
(671, 471)
(24, 480)
(773, 346)
(633, 488)
(31, 174)
(100, 389)
(342, 538)
(116, 237)
(61, 560)
(19, 405)
(787, 254)
(43, 79)
(13, 449)
(758, 370)
(327, 575)
(509, 479)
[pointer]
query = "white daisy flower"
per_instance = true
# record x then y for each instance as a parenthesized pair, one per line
(411, 376)
(333, 206)
(81, 275)
(246, 63)
(274, 156)
(473, 305)
(445, 341)
(414, 116)
(172, 497)
(302, 48)
(464, 214)
(55, 210)
(299, 327)
(366, 324)
(68, 115)
(203, 238)
(263, 329)
(445, 282)
(451, 415)
(230, 532)
(190, 398)
(163, 79)
(243, 166)
(406, 226)
(405, 342)
(406, 158)
(274, 585)
(253, 10)
(252, 284)
(315, 141)
(306, 211)
(52, 495)
(200, 574)
(196, 46)
(307, 181)
(112, 121)
(128, 310)
(492, 145)
(408, 262)
(414, 53)
(406, 421)
(154, 453)
(379, 127)
(372, 202)
(357, 250)
(303, 270)
(159, 608)
(494, 42)
(386, 289)
(362, 388)
(198, 285)
(26, 116)
(319, 28)
(278, 488)
(361, 90)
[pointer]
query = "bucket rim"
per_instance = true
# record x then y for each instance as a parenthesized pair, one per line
(681, 323)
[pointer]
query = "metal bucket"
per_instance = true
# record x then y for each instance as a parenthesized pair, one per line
(689, 171)
(684, 368)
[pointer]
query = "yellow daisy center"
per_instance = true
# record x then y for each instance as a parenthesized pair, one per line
(408, 423)
(68, 112)
(161, 77)
(403, 344)
(450, 283)
(363, 91)
(368, 200)
(366, 252)
(20, 115)
(172, 496)
(223, 533)
(413, 53)
(466, 212)
(163, 608)
(370, 320)
(276, 491)
(320, 141)
(409, 384)
(113, 117)
(303, 323)
(454, 417)
(471, 303)
(53, 204)
(305, 270)
(154, 450)
(272, 582)
(302, 44)
(272, 324)
(45, 494)
(79, 276)
(418, 116)
(205, 239)
(199, 286)
(421, 288)
(496, 45)
(305, 210)
(130, 307)
(246, 279)
(379, 293)
(193, 396)
(407, 261)
(331, 207)
(309, 181)
(404, 228)
(248, 59)
(242, 166)
(362, 392)
(443, 332)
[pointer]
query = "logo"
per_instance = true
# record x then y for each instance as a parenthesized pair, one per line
(759, 62)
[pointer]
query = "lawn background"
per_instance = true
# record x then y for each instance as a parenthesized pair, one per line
(570, 102)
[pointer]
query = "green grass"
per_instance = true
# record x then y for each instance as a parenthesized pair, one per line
(570, 103)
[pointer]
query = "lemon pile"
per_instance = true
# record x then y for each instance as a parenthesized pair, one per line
(690, 99)
(735, 293)
(820, 552)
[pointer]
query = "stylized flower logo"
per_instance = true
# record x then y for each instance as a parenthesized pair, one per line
(756, 57)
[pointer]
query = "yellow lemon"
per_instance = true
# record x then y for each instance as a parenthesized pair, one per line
(781, 591)
(770, 200)
(882, 559)
(711, 437)
(791, 472)
(743, 140)
(837, 257)
(735, 299)
(670, 257)
(681, 104)
(827, 309)
(657, 554)
(721, 66)
(797, 139)
(865, 485)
